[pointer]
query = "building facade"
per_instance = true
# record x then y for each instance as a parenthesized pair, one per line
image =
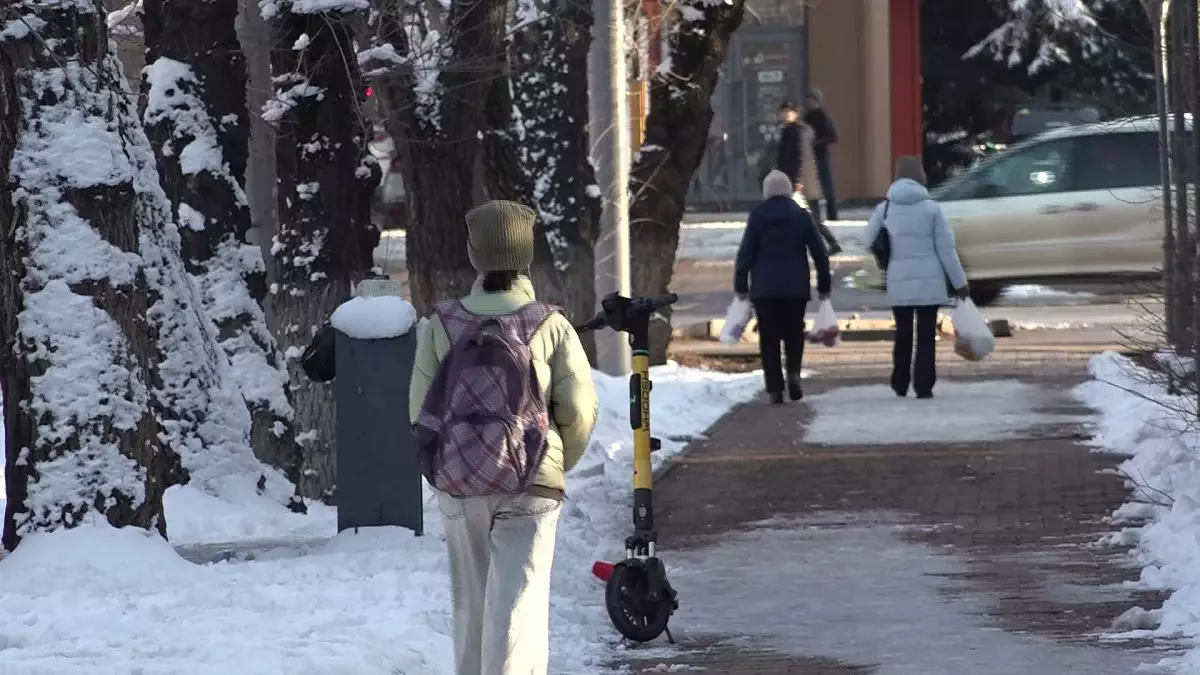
(863, 54)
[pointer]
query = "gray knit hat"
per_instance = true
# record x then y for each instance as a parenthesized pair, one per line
(500, 236)
(777, 184)
(910, 167)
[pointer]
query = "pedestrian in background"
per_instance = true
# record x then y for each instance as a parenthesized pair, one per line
(772, 270)
(795, 157)
(824, 135)
(923, 258)
(502, 545)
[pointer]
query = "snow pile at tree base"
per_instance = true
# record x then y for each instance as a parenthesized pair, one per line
(375, 602)
(374, 318)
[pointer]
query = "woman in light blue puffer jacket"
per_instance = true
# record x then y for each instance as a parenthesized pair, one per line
(923, 265)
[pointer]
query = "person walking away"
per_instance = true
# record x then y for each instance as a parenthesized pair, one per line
(923, 258)
(772, 270)
(795, 156)
(824, 135)
(502, 544)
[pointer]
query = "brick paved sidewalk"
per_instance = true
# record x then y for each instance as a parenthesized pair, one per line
(1020, 517)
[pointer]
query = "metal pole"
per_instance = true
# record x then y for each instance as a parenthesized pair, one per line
(608, 111)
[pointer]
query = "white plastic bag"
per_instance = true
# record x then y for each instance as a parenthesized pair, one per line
(825, 326)
(737, 317)
(973, 339)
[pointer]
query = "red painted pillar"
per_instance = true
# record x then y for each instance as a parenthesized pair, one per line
(907, 138)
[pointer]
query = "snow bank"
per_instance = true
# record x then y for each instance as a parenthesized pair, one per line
(1036, 291)
(374, 318)
(99, 600)
(1164, 467)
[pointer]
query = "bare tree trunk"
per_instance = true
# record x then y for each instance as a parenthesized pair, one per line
(326, 176)
(676, 136)
(1179, 154)
(75, 356)
(1190, 162)
(549, 54)
(434, 94)
(504, 177)
(1158, 18)
(197, 121)
(91, 419)
(254, 34)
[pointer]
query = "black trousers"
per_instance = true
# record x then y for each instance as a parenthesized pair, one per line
(780, 321)
(921, 374)
(825, 175)
(826, 233)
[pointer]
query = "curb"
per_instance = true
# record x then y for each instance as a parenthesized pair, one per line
(853, 330)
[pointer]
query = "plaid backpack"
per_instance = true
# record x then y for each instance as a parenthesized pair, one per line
(484, 428)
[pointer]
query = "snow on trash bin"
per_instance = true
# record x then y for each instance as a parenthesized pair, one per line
(375, 313)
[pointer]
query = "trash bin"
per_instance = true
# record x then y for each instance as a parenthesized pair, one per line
(379, 478)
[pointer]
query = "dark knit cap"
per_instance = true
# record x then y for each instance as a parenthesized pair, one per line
(500, 236)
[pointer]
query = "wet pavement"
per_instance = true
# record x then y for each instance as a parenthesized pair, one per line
(913, 558)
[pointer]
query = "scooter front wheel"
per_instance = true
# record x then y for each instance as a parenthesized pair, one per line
(639, 600)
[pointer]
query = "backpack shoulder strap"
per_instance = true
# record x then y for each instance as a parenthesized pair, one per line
(456, 320)
(531, 317)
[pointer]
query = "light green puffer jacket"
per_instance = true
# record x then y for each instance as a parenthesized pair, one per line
(562, 368)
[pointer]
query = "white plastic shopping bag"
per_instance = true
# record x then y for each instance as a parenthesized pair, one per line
(825, 326)
(737, 317)
(973, 339)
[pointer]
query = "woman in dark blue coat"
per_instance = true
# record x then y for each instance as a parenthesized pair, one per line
(772, 270)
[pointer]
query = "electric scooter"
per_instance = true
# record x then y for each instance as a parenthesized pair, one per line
(638, 597)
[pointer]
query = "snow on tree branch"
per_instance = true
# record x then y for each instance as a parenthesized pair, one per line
(124, 21)
(411, 38)
(1043, 25)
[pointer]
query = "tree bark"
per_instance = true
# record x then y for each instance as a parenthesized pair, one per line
(434, 95)
(76, 353)
(1154, 10)
(504, 177)
(326, 177)
(255, 37)
(198, 123)
(676, 135)
(548, 57)
(1177, 96)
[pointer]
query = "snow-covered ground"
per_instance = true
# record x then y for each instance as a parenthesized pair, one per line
(1023, 291)
(912, 608)
(716, 240)
(959, 412)
(1138, 417)
(99, 600)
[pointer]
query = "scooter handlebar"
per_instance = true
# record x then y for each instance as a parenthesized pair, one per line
(595, 323)
(643, 304)
(668, 299)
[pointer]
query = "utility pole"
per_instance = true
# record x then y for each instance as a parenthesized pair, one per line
(608, 124)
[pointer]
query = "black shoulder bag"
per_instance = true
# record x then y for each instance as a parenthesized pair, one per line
(881, 248)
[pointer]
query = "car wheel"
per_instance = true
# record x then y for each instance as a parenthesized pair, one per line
(985, 293)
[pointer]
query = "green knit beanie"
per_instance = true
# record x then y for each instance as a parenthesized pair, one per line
(500, 236)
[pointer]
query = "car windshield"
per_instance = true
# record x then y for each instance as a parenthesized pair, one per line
(949, 188)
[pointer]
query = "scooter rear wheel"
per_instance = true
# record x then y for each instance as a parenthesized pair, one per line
(632, 613)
